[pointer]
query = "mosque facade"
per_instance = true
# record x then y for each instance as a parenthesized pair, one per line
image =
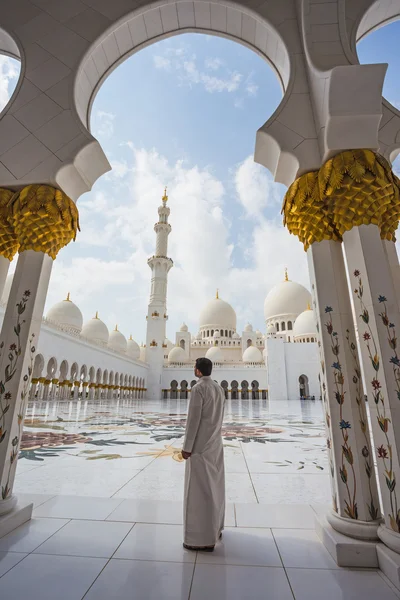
(78, 359)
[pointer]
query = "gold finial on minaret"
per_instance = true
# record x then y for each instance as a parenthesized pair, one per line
(131, 338)
(165, 197)
(217, 295)
(67, 299)
(116, 328)
(308, 306)
(96, 316)
(286, 275)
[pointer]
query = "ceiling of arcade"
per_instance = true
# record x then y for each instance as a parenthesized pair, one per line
(68, 48)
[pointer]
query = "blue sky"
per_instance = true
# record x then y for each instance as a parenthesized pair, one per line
(184, 113)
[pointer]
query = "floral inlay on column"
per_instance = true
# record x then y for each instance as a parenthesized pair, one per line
(384, 450)
(347, 454)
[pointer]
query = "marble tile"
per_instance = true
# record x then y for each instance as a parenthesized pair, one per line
(239, 488)
(169, 513)
(36, 499)
(139, 580)
(240, 546)
(299, 516)
(30, 535)
(98, 539)
(302, 548)
(292, 489)
(226, 582)
(312, 584)
(162, 485)
(155, 542)
(77, 507)
(8, 560)
(42, 577)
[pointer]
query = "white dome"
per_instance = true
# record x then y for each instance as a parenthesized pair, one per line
(252, 355)
(236, 336)
(117, 341)
(7, 288)
(216, 334)
(286, 298)
(305, 324)
(184, 327)
(177, 355)
(248, 327)
(218, 313)
(271, 328)
(258, 332)
(214, 354)
(95, 330)
(169, 344)
(133, 349)
(66, 313)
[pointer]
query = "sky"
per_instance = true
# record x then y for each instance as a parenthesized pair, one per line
(184, 113)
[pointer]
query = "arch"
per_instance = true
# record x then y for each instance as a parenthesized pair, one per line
(249, 343)
(105, 376)
(182, 344)
(303, 386)
(212, 332)
(283, 326)
(98, 375)
(255, 393)
(74, 371)
(234, 388)
(193, 383)
(145, 25)
(277, 326)
(290, 325)
(92, 374)
(174, 389)
(111, 378)
(9, 47)
(83, 373)
(224, 385)
(51, 367)
(63, 370)
(184, 390)
(245, 390)
(38, 366)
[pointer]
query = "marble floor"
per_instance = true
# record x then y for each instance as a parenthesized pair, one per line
(106, 480)
(274, 452)
(78, 547)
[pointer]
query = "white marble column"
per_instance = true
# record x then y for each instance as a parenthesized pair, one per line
(4, 267)
(77, 386)
(18, 339)
(34, 386)
(54, 389)
(84, 389)
(389, 248)
(354, 491)
(46, 389)
(378, 320)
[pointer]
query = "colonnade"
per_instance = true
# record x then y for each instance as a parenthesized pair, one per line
(53, 389)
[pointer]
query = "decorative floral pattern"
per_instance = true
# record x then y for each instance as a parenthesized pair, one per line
(348, 477)
(362, 417)
(384, 451)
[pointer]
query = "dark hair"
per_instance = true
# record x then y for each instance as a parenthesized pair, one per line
(204, 365)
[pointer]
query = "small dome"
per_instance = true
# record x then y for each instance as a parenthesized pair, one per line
(286, 298)
(177, 355)
(305, 324)
(271, 329)
(258, 333)
(7, 288)
(248, 328)
(169, 344)
(66, 313)
(95, 330)
(252, 355)
(117, 341)
(214, 354)
(133, 349)
(216, 335)
(218, 313)
(184, 327)
(236, 336)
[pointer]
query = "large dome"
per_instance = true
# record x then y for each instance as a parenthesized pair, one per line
(218, 313)
(214, 354)
(286, 298)
(66, 313)
(252, 355)
(305, 324)
(95, 330)
(117, 341)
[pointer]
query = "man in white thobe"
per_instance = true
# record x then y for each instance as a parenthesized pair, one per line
(204, 506)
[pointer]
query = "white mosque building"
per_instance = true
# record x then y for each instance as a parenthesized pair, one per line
(78, 359)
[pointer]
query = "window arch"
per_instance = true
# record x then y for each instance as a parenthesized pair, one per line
(277, 326)
(283, 326)
(182, 344)
(290, 325)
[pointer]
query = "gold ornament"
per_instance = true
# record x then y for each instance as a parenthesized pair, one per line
(8, 240)
(44, 219)
(356, 187)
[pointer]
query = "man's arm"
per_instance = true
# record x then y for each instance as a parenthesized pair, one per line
(193, 421)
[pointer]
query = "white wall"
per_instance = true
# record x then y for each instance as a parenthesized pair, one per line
(302, 359)
(276, 366)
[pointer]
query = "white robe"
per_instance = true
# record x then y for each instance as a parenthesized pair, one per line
(204, 506)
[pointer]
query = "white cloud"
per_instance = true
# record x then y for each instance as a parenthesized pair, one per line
(213, 63)
(120, 228)
(9, 72)
(103, 124)
(255, 188)
(162, 62)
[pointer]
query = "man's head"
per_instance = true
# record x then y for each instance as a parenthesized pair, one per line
(202, 367)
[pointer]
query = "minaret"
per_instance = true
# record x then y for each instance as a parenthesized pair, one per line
(160, 265)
